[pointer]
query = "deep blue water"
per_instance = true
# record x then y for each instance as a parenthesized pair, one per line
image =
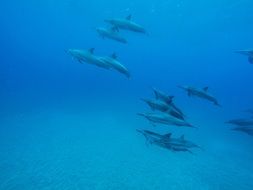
(65, 125)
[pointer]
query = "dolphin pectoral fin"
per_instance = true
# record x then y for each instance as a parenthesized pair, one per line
(189, 94)
(250, 59)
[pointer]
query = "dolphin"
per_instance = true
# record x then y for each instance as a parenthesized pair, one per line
(126, 24)
(244, 129)
(201, 93)
(248, 53)
(163, 118)
(167, 142)
(241, 122)
(111, 33)
(115, 64)
(159, 95)
(88, 57)
(163, 107)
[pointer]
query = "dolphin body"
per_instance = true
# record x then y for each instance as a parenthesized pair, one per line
(111, 33)
(163, 107)
(88, 57)
(241, 122)
(245, 129)
(248, 53)
(126, 24)
(167, 142)
(115, 64)
(159, 95)
(201, 93)
(163, 118)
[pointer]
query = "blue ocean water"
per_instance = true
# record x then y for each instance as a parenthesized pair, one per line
(65, 125)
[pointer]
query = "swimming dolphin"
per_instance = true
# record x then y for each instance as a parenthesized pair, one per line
(115, 64)
(88, 57)
(159, 95)
(244, 129)
(162, 118)
(163, 107)
(241, 122)
(167, 142)
(111, 33)
(201, 93)
(248, 53)
(126, 24)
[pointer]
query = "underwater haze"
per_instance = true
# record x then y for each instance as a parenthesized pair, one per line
(68, 124)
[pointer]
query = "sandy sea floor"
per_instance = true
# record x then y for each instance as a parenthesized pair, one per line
(63, 149)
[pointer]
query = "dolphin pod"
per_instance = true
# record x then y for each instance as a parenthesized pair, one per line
(168, 142)
(201, 93)
(164, 109)
(105, 62)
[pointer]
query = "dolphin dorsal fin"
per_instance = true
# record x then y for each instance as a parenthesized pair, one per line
(91, 50)
(205, 88)
(114, 56)
(182, 138)
(168, 135)
(129, 17)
